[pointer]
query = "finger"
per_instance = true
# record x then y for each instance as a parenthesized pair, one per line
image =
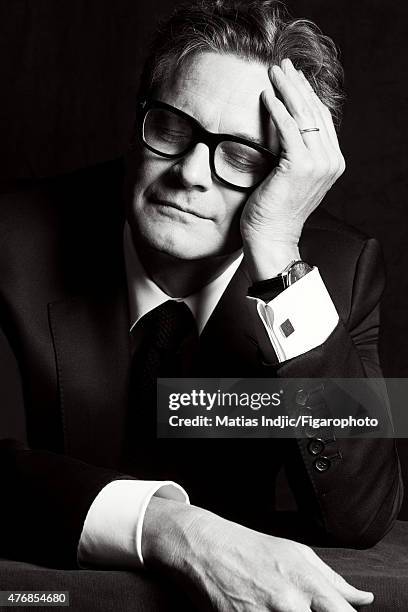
(324, 111)
(288, 131)
(305, 113)
(315, 106)
(315, 103)
(325, 598)
(328, 131)
(329, 161)
(331, 602)
(297, 106)
(349, 592)
(352, 594)
(303, 94)
(292, 607)
(292, 600)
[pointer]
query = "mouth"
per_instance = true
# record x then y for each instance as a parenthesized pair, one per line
(161, 202)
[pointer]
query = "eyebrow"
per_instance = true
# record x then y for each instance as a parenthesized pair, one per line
(243, 135)
(249, 138)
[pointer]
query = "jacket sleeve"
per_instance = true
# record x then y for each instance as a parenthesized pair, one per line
(350, 489)
(46, 497)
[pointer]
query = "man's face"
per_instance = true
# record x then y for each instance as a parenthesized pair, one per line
(178, 206)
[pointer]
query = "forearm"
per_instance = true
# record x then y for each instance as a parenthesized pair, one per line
(357, 498)
(355, 501)
(45, 502)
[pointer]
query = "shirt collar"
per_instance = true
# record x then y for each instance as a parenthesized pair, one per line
(145, 295)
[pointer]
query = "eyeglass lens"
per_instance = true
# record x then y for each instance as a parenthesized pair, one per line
(171, 134)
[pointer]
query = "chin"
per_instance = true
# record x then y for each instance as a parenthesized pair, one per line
(186, 252)
(184, 241)
(180, 243)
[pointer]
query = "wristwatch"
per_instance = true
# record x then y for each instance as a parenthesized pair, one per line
(271, 287)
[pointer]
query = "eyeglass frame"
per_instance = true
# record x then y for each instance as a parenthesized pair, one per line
(210, 139)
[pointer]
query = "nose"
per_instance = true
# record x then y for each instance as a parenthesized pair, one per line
(194, 170)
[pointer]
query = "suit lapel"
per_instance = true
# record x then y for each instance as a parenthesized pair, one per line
(92, 352)
(227, 345)
(91, 344)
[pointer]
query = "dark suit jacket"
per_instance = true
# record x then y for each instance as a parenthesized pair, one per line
(63, 307)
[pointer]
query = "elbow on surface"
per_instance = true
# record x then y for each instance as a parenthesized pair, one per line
(363, 526)
(361, 536)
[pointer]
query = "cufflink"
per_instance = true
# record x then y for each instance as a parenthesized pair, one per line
(286, 328)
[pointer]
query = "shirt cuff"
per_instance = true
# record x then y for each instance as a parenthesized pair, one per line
(298, 320)
(112, 531)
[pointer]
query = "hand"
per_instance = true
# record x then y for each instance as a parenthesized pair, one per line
(230, 567)
(274, 215)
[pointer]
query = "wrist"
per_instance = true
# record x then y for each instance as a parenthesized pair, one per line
(269, 259)
(169, 533)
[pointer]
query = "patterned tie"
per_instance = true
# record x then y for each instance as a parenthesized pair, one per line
(168, 349)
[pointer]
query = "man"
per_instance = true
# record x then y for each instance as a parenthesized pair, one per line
(236, 151)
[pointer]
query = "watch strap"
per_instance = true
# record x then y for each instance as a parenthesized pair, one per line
(266, 289)
(270, 288)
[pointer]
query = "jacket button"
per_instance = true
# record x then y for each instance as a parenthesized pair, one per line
(301, 397)
(315, 446)
(322, 464)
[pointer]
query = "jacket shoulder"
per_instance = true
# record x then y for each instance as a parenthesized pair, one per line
(346, 257)
(327, 238)
(335, 228)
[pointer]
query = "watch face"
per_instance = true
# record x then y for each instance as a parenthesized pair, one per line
(298, 270)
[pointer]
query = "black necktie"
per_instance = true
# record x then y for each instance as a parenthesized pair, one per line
(169, 342)
(168, 349)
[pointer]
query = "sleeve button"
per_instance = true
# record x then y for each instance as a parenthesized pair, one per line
(301, 397)
(315, 446)
(322, 464)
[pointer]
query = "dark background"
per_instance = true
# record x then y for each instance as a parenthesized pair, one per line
(69, 72)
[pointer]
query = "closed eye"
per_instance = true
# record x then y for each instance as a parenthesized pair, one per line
(169, 135)
(241, 157)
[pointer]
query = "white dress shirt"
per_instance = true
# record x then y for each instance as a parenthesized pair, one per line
(112, 531)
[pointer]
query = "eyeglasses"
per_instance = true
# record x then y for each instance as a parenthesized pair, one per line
(234, 161)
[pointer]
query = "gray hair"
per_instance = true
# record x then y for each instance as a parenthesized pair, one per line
(256, 30)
